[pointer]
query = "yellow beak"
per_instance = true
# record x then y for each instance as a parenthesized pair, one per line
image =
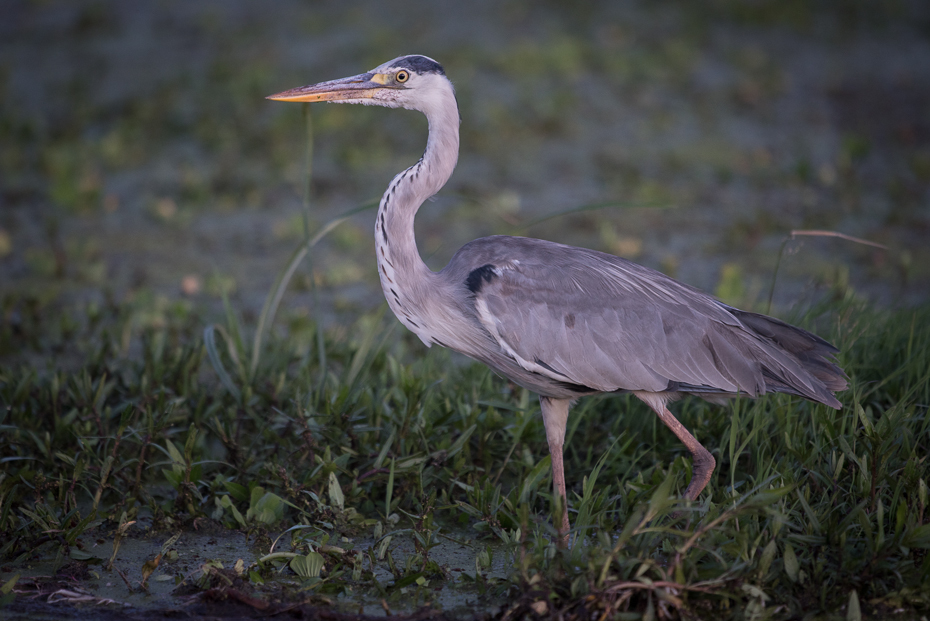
(362, 86)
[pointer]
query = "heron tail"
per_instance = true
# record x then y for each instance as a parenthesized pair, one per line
(815, 356)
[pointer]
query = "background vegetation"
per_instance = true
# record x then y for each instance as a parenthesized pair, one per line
(150, 197)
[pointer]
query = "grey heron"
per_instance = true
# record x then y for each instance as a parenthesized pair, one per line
(566, 322)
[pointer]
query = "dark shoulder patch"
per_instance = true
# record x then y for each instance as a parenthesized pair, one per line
(419, 64)
(478, 276)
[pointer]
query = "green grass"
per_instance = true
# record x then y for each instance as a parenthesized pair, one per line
(809, 508)
(144, 412)
(147, 414)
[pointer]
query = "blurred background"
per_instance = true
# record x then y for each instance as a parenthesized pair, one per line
(142, 169)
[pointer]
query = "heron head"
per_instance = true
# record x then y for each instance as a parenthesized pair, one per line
(412, 82)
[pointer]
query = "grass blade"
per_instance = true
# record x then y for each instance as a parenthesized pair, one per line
(209, 339)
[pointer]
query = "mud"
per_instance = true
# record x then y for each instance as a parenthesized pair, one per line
(207, 574)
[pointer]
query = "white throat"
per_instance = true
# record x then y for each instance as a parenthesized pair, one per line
(403, 274)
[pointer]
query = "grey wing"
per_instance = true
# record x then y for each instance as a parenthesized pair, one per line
(595, 320)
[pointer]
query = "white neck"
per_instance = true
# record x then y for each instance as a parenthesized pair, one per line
(404, 275)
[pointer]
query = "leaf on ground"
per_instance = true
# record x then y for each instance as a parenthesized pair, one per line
(308, 566)
(792, 568)
(336, 497)
(149, 567)
(853, 612)
(9, 584)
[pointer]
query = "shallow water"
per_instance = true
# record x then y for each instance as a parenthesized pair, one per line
(173, 585)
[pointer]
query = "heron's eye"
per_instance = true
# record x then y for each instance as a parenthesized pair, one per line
(402, 76)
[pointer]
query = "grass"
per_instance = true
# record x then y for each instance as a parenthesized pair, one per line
(303, 438)
(811, 511)
(147, 415)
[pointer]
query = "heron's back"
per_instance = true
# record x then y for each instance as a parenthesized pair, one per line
(567, 321)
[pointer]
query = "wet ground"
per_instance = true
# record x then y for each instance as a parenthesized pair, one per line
(206, 572)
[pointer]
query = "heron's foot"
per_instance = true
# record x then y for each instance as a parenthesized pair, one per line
(701, 471)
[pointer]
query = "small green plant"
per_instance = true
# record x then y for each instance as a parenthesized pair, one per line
(354, 466)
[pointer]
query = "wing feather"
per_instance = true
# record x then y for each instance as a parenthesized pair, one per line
(592, 319)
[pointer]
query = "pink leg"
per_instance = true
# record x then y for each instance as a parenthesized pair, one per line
(555, 417)
(703, 461)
